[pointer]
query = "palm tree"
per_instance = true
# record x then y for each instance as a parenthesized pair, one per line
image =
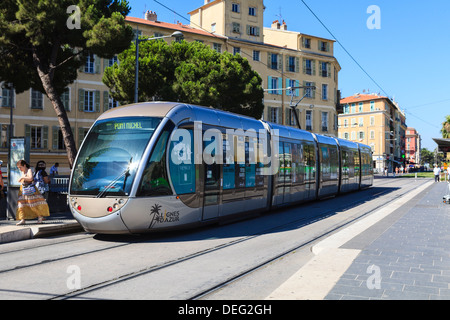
(446, 128)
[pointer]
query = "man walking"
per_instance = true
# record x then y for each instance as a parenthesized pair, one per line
(437, 173)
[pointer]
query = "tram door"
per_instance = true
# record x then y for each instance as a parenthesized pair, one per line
(212, 181)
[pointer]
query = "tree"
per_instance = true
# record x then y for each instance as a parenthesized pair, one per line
(445, 131)
(190, 72)
(43, 44)
(426, 156)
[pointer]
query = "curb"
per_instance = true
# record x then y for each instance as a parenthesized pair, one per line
(18, 233)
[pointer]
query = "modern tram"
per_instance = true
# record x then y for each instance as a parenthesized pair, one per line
(158, 166)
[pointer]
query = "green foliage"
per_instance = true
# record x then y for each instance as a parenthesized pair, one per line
(445, 131)
(34, 36)
(190, 72)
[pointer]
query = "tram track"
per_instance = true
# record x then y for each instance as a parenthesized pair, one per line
(309, 217)
(299, 222)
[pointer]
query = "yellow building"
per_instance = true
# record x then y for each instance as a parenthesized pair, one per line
(283, 59)
(378, 122)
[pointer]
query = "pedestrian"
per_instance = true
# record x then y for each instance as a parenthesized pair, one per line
(437, 173)
(54, 170)
(41, 179)
(30, 204)
(2, 186)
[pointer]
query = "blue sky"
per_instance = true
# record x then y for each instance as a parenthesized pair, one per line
(408, 56)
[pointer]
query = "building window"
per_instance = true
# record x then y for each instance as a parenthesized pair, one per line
(213, 27)
(309, 92)
(372, 106)
(308, 118)
(361, 135)
(217, 47)
(324, 46)
(236, 7)
(325, 69)
(274, 84)
(252, 11)
(65, 98)
(307, 43)
(89, 103)
(236, 27)
(345, 123)
(346, 135)
(360, 107)
(253, 31)
(273, 115)
(372, 134)
(4, 135)
(7, 97)
(116, 60)
(361, 122)
(236, 50)
(38, 136)
(372, 121)
(292, 64)
(273, 61)
(324, 92)
(89, 66)
(37, 99)
(309, 67)
(256, 55)
(324, 121)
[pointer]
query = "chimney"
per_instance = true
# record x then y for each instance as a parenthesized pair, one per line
(284, 27)
(207, 1)
(151, 16)
(276, 24)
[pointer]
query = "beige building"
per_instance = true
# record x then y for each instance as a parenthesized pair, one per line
(378, 122)
(283, 59)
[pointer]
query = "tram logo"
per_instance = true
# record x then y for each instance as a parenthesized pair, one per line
(230, 146)
(159, 216)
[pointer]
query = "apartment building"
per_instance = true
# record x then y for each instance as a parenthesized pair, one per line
(283, 58)
(412, 147)
(378, 122)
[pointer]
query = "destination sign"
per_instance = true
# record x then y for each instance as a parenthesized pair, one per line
(128, 125)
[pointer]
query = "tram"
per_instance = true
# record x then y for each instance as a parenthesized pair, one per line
(159, 166)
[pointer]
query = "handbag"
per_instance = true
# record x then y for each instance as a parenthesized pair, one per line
(29, 190)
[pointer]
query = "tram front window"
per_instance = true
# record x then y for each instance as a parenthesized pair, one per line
(111, 152)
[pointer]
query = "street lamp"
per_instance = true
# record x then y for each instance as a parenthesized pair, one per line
(177, 35)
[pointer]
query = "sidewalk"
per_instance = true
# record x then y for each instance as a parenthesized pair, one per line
(406, 256)
(56, 224)
(399, 252)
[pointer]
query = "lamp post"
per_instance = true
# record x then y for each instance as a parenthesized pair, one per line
(176, 35)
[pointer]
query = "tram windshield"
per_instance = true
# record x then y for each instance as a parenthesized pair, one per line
(110, 154)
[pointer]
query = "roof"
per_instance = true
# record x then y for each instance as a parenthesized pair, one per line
(362, 97)
(172, 27)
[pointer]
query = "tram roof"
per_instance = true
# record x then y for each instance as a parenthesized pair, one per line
(142, 109)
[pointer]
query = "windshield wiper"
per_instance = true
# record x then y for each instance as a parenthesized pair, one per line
(126, 173)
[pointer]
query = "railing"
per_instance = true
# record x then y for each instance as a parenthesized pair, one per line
(59, 184)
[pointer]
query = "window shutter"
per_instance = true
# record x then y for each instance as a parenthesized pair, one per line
(304, 66)
(280, 62)
(297, 64)
(105, 100)
(80, 100)
(297, 91)
(269, 60)
(97, 61)
(280, 86)
(329, 70)
(269, 84)
(97, 100)
(55, 130)
(313, 63)
(45, 137)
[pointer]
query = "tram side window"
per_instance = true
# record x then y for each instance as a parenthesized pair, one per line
(228, 165)
(155, 180)
(181, 163)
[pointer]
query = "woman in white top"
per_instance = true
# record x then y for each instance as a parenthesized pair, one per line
(31, 204)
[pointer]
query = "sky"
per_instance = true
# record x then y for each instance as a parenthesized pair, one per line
(401, 49)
